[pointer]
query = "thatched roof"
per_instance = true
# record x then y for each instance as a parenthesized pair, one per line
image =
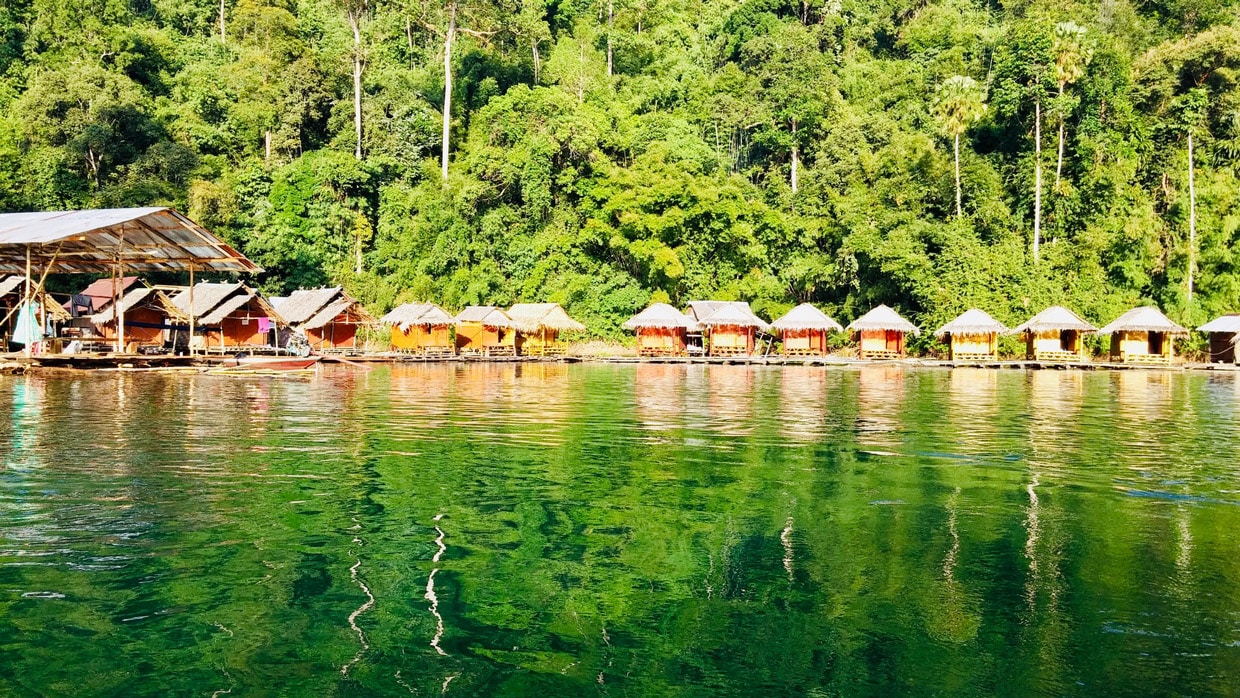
(660, 316)
(141, 296)
(12, 283)
(1055, 319)
(1145, 319)
(487, 316)
(214, 302)
(418, 314)
(206, 297)
(303, 304)
(313, 308)
(972, 322)
(883, 318)
(734, 316)
(700, 310)
(535, 317)
(806, 317)
(1227, 324)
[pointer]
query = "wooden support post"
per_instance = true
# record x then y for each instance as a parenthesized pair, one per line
(190, 341)
(26, 301)
(119, 313)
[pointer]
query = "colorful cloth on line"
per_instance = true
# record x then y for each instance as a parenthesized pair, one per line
(264, 325)
(26, 330)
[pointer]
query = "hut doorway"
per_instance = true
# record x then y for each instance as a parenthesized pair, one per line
(1156, 343)
(1068, 340)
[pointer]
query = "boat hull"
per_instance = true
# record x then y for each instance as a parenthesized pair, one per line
(276, 363)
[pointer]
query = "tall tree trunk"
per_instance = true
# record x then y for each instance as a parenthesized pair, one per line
(795, 156)
(355, 22)
(1192, 220)
(449, 37)
(611, 16)
(223, 33)
(956, 149)
(1062, 121)
(537, 61)
(267, 145)
(1037, 179)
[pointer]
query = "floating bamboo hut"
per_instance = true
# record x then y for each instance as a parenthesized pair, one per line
(661, 330)
(972, 336)
(150, 318)
(485, 330)
(731, 326)
(228, 316)
(329, 317)
(1224, 332)
(881, 333)
(422, 328)
(1143, 336)
(1055, 335)
(539, 326)
(803, 331)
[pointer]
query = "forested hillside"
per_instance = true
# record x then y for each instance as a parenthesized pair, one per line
(606, 153)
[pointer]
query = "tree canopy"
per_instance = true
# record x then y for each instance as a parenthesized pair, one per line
(605, 154)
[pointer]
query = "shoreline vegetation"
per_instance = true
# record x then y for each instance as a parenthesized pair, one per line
(609, 154)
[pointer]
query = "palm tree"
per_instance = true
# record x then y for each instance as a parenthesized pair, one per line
(959, 102)
(1072, 55)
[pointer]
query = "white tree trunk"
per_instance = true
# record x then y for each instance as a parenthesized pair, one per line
(1062, 121)
(223, 33)
(611, 15)
(355, 21)
(1037, 179)
(1192, 220)
(795, 156)
(956, 148)
(449, 37)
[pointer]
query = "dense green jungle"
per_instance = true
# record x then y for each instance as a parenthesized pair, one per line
(605, 154)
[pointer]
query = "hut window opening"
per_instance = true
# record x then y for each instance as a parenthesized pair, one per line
(893, 338)
(1156, 343)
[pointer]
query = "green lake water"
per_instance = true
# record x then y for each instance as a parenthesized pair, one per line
(548, 530)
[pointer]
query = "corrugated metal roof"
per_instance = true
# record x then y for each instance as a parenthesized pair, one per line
(148, 239)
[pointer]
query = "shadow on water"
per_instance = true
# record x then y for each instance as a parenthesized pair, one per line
(551, 529)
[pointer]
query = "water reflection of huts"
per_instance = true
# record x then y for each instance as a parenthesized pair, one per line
(1143, 336)
(881, 333)
(1055, 334)
(803, 395)
(803, 331)
(972, 336)
(880, 400)
(659, 395)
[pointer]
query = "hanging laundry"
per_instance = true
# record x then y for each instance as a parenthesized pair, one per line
(26, 330)
(264, 325)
